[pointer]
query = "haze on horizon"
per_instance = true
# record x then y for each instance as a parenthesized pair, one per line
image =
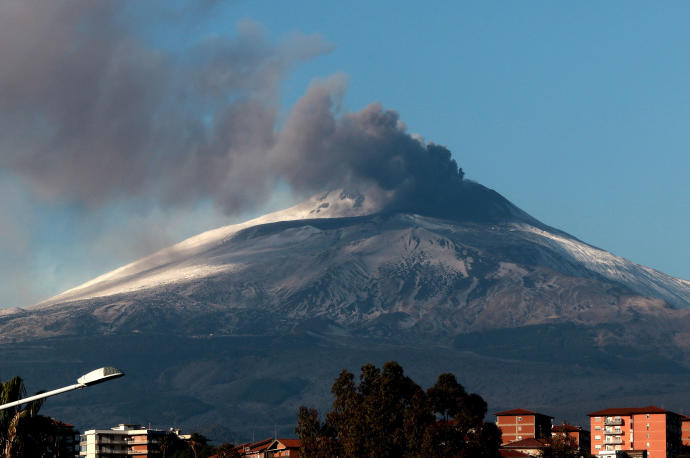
(127, 127)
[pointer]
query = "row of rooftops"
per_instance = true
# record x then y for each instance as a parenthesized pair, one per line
(520, 448)
(266, 443)
(598, 413)
(262, 446)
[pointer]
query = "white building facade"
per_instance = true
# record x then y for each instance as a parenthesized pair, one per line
(121, 441)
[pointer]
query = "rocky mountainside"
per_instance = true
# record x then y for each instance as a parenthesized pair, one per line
(338, 265)
(282, 302)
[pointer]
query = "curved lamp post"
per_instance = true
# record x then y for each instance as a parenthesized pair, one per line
(92, 378)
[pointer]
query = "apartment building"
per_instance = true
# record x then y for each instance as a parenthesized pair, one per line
(519, 424)
(652, 429)
(121, 441)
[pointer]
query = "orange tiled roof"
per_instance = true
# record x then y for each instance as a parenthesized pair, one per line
(290, 443)
(628, 411)
(525, 443)
(566, 427)
(61, 423)
(258, 446)
(521, 412)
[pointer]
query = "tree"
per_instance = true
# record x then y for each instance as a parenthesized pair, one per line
(395, 397)
(461, 430)
(309, 430)
(196, 446)
(167, 442)
(388, 414)
(40, 438)
(447, 396)
(561, 445)
(419, 419)
(345, 418)
(197, 442)
(316, 439)
(16, 422)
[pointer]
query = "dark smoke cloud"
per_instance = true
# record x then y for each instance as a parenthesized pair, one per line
(371, 149)
(91, 113)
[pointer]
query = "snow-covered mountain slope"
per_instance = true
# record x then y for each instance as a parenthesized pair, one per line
(640, 279)
(337, 260)
(184, 262)
(215, 253)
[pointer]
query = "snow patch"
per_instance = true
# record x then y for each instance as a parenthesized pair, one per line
(641, 279)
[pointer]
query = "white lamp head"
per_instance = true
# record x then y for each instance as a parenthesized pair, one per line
(99, 376)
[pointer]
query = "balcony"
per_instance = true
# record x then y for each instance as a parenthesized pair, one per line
(110, 440)
(613, 421)
(613, 440)
(141, 441)
(614, 432)
(112, 451)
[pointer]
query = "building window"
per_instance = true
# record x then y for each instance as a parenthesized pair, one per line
(647, 444)
(597, 447)
(597, 428)
(597, 437)
(519, 418)
(597, 418)
(519, 428)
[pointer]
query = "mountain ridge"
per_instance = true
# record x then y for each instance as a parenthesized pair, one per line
(346, 205)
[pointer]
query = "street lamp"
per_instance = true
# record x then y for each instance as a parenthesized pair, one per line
(92, 378)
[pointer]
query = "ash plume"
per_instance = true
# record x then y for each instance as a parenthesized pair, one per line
(92, 112)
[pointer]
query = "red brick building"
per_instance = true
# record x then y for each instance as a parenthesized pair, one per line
(656, 430)
(519, 424)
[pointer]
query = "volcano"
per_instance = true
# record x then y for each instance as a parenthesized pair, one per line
(240, 325)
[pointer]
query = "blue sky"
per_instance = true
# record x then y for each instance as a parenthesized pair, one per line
(577, 112)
